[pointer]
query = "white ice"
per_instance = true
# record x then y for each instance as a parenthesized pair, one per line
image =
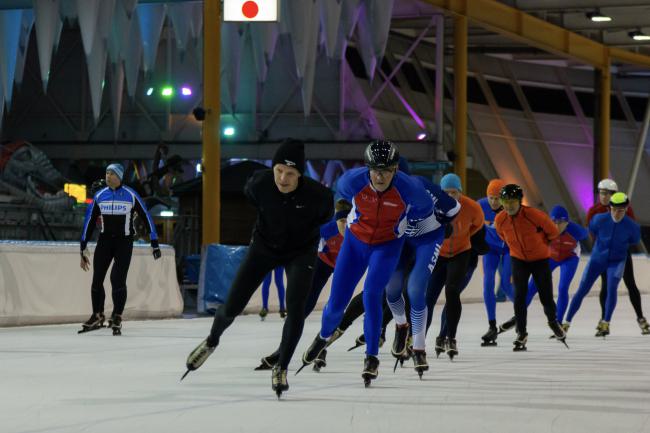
(53, 380)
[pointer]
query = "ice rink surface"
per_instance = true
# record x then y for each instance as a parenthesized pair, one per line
(53, 380)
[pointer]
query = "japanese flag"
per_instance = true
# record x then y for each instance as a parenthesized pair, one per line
(250, 10)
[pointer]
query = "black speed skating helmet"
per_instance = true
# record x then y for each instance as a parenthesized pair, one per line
(511, 191)
(381, 154)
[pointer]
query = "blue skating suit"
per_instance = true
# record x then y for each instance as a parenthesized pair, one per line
(422, 246)
(608, 255)
(497, 259)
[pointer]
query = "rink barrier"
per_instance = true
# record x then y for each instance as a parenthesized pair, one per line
(42, 283)
(212, 292)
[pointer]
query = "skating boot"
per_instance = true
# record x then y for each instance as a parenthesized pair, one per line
(115, 323)
(420, 362)
(312, 352)
(565, 327)
(360, 341)
(338, 332)
(263, 313)
(441, 345)
(603, 329)
(283, 313)
(520, 343)
(399, 343)
(370, 366)
(198, 356)
(268, 362)
(558, 331)
(644, 325)
(507, 325)
(452, 349)
(96, 321)
(490, 337)
(321, 361)
(279, 382)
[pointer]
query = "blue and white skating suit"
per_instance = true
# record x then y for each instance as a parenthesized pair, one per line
(613, 239)
(116, 209)
(421, 248)
(565, 254)
(497, 259)
(373, 240)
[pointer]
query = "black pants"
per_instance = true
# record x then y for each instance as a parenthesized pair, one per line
(355, 309)
(257, 263)
(449, 272)
(322, 273)
(541, 272)
(632, 289)
(117, 249)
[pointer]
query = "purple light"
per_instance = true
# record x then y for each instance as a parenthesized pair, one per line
(186, 91)
(422, 136)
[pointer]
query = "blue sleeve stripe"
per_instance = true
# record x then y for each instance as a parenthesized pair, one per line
(89, 212)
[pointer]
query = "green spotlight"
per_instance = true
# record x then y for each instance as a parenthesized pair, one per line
(167, 92)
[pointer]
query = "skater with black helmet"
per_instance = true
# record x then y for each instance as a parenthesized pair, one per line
(528, 231)
(384, 200)
(115, 205)
(291, 208)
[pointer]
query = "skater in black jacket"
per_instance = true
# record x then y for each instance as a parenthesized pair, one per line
(291, 209)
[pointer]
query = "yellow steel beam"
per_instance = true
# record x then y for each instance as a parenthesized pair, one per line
(511, 22)
(460, 98)
(211, 218)
(603, 141)
(629, 57)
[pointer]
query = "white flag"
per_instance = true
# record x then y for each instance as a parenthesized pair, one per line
(250, 10)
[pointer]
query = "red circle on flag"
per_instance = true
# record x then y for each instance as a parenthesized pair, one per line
(250, 9)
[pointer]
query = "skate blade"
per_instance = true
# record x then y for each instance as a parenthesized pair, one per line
(488, 343)
(262, 367)
(395, 366)
(304, 364)
(83, 331)
(355, 346)
(186, 373)
(566, 345)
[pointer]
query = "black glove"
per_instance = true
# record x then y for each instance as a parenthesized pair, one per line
(156, 253)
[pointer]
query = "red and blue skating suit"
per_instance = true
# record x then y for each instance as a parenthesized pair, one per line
(565, 254)
(373, 240)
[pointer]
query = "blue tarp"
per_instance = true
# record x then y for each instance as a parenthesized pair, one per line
(219, 264)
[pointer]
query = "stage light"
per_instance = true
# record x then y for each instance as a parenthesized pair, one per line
(422, 136)
(228, 131)
(150, 91)
(186, 91)
(166, 213)
(167, 92)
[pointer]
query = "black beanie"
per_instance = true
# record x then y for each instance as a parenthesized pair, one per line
(292, 153)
